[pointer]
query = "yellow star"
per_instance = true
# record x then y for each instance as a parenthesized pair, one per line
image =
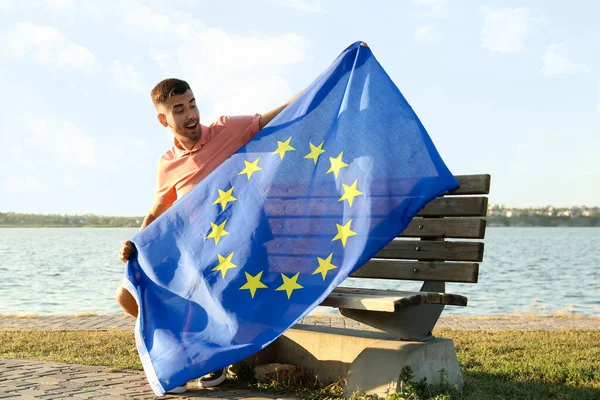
(325, 265)
(217, 232)
(344, 232)
(315, 152)
(253, 283)
(224, 198)
(225, 264)
(282, 147)
(336, 164)
(350, 192)
(251, 167)
(289, 284)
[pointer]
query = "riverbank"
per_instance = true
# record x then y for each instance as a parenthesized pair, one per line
(93, 356)
(88, 322)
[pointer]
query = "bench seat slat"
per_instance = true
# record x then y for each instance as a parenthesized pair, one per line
(387, 300)
(416, 270)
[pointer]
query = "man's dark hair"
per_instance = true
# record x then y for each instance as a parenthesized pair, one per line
(167, 88)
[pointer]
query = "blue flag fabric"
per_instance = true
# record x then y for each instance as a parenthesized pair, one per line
(273, 230)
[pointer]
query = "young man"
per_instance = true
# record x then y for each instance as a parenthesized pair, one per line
(197, 151)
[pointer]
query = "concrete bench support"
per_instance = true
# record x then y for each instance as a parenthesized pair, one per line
(369, 361)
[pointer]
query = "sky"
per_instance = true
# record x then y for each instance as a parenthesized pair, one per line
(507, 88)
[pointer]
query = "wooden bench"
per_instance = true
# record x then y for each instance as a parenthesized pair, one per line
(429, 250)
(426, 251)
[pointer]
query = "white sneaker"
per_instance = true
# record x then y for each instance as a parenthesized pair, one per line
(213, 379)
(178, 389)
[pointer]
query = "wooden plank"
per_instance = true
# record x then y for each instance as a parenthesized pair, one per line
(379, 207)
(385, 269)
(460, 228)
(409, 298)
(423, 250)
(455, 207)
(432, 250)
(419, 270)
(400, 186)
(356, 301)
(387, 300)
(473, 184)
(305, 247)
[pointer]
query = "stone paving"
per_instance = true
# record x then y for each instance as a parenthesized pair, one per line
(25, 379)
(503, 323)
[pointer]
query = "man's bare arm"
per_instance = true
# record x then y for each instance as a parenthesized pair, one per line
(157, 209)
(268, 116)
(155, 212)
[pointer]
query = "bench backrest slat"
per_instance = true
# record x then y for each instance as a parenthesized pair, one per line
(460, 228)
(432, 250)
(455, 207)
(473, 184)
(455, 215)
(419, 270)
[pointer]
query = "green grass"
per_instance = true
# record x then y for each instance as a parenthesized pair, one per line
(113, 349)
(529, 365)
(495, 365)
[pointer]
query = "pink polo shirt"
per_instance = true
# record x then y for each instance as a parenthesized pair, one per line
(180, 170)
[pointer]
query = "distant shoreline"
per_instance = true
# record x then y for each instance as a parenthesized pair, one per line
(66, 226)
(495, 218)
(490, 224)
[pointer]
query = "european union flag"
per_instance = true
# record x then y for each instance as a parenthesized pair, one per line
(270, 233)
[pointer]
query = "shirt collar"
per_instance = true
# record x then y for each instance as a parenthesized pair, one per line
(204, 138)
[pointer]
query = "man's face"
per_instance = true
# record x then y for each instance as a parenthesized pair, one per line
(179, 113)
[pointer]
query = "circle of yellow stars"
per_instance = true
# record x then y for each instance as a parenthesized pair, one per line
(344, 232)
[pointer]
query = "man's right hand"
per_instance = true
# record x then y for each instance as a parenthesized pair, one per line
(127, 250)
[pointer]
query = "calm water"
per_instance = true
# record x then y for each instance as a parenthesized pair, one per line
(76, 270)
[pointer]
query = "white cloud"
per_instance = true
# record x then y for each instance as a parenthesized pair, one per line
(64, 141)
(80, 90)
(25, 184)
(505, 29)
(427, 34)
(59, 4)
(307, 6)
(432, 8)
(17, 153)
(64, 151)
(126, 76)
(7, 4)
(242, 74)
(45, 44)
(155, 26)
(556, 62)
(158, 56)
(229, 73)
(585, 172)
(69, 181)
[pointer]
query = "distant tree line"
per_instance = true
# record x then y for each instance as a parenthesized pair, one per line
(91, 220)
(542, 220)
(63, 220)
